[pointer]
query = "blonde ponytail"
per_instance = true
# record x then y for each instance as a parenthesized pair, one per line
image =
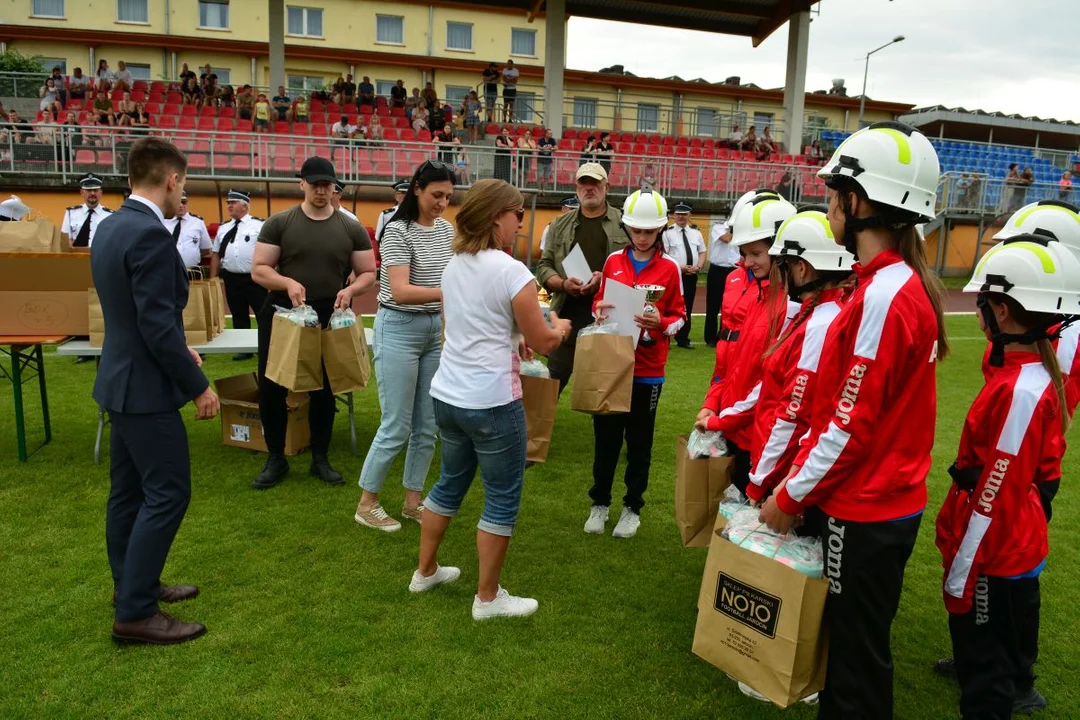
(1050, 362)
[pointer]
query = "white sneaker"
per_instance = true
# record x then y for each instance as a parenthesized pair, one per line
(441, 576)
(504, 605)
(751, 692)
(597, 520)
(628, 524)
(810, 699)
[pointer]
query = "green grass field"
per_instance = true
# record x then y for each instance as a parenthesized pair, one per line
(309, 615)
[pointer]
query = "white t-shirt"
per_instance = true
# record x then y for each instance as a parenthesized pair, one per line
(479, 364)
(510, 76)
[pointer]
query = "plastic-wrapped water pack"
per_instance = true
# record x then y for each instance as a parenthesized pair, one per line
(303, 315)
(800, 554)
(533, 368)
(607, 327)
(706, 444)
(733, 501)
(342, 319)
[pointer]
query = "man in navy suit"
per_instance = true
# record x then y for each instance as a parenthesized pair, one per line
(147, 374)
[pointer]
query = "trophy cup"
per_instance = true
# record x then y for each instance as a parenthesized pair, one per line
(653, 293)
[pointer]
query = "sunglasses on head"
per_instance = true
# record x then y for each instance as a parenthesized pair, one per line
(438, 165)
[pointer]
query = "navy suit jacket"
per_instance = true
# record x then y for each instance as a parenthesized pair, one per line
(143, 287)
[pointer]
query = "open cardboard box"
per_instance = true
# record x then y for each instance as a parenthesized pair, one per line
(240, 423)
(44, 293)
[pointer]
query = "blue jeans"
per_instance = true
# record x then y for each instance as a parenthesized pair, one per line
(494, 440)
(406, 351)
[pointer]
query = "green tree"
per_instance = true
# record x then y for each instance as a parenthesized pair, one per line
(22, 86)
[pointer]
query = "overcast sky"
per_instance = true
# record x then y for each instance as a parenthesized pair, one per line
(1014, 56)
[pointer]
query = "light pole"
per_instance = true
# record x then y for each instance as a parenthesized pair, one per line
(866, 71)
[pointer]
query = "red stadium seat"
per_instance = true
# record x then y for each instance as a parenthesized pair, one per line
(281, 127)
(221, 163)
(227, 112)
(224, 124)
(138, 96)
(208, 111)
(174, 98)
(186, 122)
(188, 111)
(243, 126)
(197, 162)
(207, 123)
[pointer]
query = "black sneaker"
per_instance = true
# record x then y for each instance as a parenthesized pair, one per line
(83, 359)
(240, 357)
(946, 668)
(321, 468)
(686, 345)
(1030, 703)
(275, 470)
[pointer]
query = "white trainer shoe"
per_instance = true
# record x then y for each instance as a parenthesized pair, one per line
(628, 524)
(597, 520)
(752, 693)
(504, 605)
(441, 576)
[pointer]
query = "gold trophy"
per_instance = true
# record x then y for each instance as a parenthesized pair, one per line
(653, 293)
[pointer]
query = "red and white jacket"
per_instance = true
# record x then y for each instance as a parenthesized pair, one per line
(649, 360)
(738, 299)
(1011, 436)
(1065, 347)
(735, 399)
(867, 455)
(788, 386)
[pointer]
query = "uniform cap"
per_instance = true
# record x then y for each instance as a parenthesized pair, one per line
(90, 181)
(239, 196)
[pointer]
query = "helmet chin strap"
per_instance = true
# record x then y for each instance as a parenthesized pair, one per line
(853, 225)
(999, 339)
(795, 292)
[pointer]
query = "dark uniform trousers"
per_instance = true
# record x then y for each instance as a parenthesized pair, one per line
(242, 293)
(273, 410)
(689, 289)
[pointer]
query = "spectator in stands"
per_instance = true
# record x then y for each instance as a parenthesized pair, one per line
(245, 102)
(648, 176)
(734, 138)
(510, 76)
(348, 91)
(472, 116)
(104, 74)
(103, 110)
(122, 79)
(420, 118)
(124, 109)
(603, 151)
(526, 152)
(462, 163)
(587, 150)
(69, 132)
(61, 86)
(1065, 186)
(262, 113)
(210, 90)
(139, 119)
(186, 73)
(341, 134)
(300, 109)
(765, 145)
(973, 197)
(750, 140)
(503, 143)
(375, 127)
(336, 89)
(962, 186)
(50, 99)
(226, 96)
(414, 101)
(445, 140)
(192, 94)
(814, 153)
(366, 92)
(207, 71)
(45, 130)
(1027, 178)
(430, 97)
(436, 118)
(398, 95)
(546, 146)
(783, 187)
(15, 129)
(491, 89)
(78, 85)
(281, 104)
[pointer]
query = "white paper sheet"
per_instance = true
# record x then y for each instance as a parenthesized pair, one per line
(628, 302)
(576, 266)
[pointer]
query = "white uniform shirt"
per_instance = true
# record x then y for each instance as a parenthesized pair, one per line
(721, 253)
(543, 237)
(240, 251)
(193, 239)
(673, 244)
(75, 216)
(346, 213)
(384, 217)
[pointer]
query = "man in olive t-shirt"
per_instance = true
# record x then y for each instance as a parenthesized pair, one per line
(304, 255)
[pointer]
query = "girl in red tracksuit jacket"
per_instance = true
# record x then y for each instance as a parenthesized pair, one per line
(643, 262)
(738, 299)
(991, 530)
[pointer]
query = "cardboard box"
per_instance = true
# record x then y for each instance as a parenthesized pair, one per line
(240, 423)
(39, 236)
(44, 293)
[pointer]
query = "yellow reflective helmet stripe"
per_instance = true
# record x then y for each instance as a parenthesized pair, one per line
(659, 210)
(633, 201)
(757, 211)
(812, 216)
(903, 147)
(1027, 213)
(1040, 252)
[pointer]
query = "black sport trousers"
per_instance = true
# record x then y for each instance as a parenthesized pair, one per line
(864, 564)
(149, 495)
(689, 289)
(715, 282)
(242, 293)
(273, 410)
(636, 428)
(987, 646)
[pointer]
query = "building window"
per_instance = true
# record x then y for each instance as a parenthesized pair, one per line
(458, 36)
(224, 75)
(761, 121)
(47, 8)
(455, 95)
(305, 83)
(214, 14)
(706, 122)
(49, 63)
(648, 117)
(383, 87)
(523, 42)
(390, 29)
(132, 11)
(305, 21)
(142, 72)
(525, 106)
(584, 112)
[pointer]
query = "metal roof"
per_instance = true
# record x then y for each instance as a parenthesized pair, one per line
(756, 19)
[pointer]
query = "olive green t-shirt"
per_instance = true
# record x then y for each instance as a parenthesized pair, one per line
(315, 253)
(593, 240)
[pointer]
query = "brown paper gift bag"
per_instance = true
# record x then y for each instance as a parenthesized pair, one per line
(540, 398)
(31, 236)
(699, 488)
(197, 326)
(97, 319)
(345, 356)
(294, 360)
(761, 622)
(217, 293)
(603, 374)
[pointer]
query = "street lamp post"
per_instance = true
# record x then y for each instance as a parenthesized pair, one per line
(866, 71)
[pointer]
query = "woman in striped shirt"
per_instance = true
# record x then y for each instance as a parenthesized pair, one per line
(415, 248)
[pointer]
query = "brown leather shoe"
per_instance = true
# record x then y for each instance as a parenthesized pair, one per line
(160, 629)
(171, 593)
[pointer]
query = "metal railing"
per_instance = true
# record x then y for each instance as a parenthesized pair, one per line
(22, 85)
(976, 194)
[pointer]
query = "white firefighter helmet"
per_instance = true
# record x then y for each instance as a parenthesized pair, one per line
(645, 210)
(893, 163)
(1041, 275)
(759, 219)
(1052, 219)
(807, 236)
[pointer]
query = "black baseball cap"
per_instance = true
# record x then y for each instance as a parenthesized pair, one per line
(318, 169)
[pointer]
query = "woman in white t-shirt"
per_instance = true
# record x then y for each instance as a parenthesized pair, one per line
(489, 301)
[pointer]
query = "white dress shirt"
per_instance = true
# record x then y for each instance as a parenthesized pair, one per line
(384, 217)
(239, 253)
(673, 244)
(75, 216)
(722, 253)
(346, 213)
(193, 239)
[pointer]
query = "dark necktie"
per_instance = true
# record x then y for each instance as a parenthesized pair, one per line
(228, 239)
(83, 238)
(686, 247)
(176, 231)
